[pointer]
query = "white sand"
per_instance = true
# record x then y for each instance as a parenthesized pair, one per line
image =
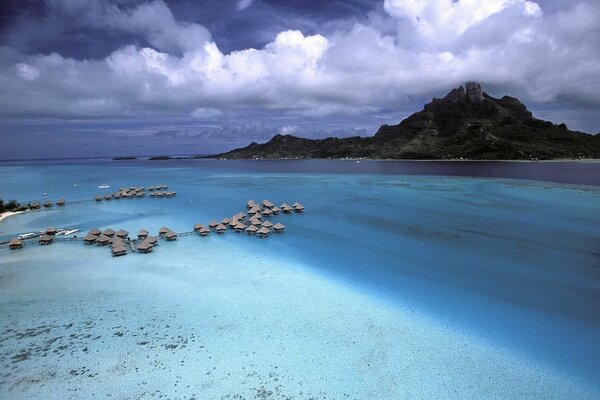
(7, 214)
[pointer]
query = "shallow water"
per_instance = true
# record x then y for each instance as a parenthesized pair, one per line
(390, 286)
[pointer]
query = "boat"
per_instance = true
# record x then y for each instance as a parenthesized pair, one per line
(103, 186)
(26, 235)
(45, 194)
(71, 231)
(61, 232)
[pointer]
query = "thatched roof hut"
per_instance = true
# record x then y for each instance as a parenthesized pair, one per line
(278, 227)
(122, 233)
(95, 231)
(255, 221)
(60, 202)
(250, 204)
(145, 247)
(251, 230)
(233, 223)
(204, 231)
(254, 210)
(109, 232)
(115, 240)
(107, 197)
(163, 230)
(47, 204)
(197, 227)
(267, 212)
(239, 227)
(221, 228)
(286, 208)
(98, 198)
(102, 240)
(225, 221)
(118, 249)
(263, 232)
(276, 210)
(35, 205)
(51, 230)
(239, 215)
(268, 204)
(267, 224)
(170, 236)
(142, 234)
(89, 238)
(15, 243)
(45, 239)
(299, 208)
(213, 224)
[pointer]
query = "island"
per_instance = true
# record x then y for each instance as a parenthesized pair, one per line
(465, 124)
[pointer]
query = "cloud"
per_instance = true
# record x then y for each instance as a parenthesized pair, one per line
(243, 4)
(392, 59)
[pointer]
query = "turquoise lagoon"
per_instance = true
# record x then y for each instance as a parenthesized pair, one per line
(390, 286)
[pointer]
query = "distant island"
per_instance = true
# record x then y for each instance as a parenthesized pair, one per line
(124, 158)
(465, 124)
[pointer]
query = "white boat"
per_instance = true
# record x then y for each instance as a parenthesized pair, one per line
(26, 235)
(61, 232)
(45, 194)
(71, 231)
(103, 186)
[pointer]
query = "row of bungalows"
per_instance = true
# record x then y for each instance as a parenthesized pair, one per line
(158, 187)
(201, 230)
(48, 204)
(167, 233)
(163, 194)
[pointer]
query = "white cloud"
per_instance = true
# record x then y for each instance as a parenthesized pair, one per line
(243, 4)
(361, 69)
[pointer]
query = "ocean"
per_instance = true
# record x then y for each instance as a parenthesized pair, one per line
(420, 280)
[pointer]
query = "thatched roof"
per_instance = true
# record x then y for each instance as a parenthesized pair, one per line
(239, 215)
(171, 235)
(151, 239)
(255, 221)
(35, 204)
(118, 248)
(298, 206)
(47, 203)
(267, 224)
(204, 231)
(275, 210)
(213, 224)
(15, 242)
(221, 228)
(250, 203)
(51, 230)
(284, 206)
(254, 210)
(233, 223)
(197, 227)
(90, 238)
(163, 230)
(268, 204)
(95, 231)
(263, 231)
(239, 226)
(109, 232)
(60, 202)
(103, 239)
(45, 238)
(98, 198)
(145, 246)
(116, 239)
(251, 229)
(279, 226)
(122, 233)
(267, 211)
(143, 233)
(225, 221)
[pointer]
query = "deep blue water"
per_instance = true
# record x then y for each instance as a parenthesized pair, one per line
(485, 273)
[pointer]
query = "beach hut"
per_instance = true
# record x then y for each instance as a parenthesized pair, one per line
(278, 227)
(267, 224)
(263, 232)
(109, 232)
(299, 208)
(89, 238)
(45, 239)
(15, 243)
(239, 227)
(95, 231)
(198, 227)
(286, 208)
(276, 210)
(145, 247)
(51, 231)
(35, 205)
(163, 230)
(98, 198)
(118, 249)
(122, 233)
(170, 236)
(204, 231)
(267, 204)
(102, 240)
(47, 204)
(60, 202)
(251, 230)
(143, 234)
(221, 229)
(225, 221)
(213, 224)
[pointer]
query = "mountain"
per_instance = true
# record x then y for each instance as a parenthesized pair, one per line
(467, 123)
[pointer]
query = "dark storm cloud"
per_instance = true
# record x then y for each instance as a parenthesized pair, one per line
(213, 74)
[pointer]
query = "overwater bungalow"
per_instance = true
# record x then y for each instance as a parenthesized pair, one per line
(251, 230)
(170, 236)
(109, 232)
(299, 208)
(204, 231)
(118, 249)
(115, 240)
(225, 221)
(267, 224)
(60, 202)
(278, 227)
(267, 204)
(95, 231)
(51, 231)
(263, 232)
(107, 197)
(197, 227)
(151, 188)
(89, 238)
(143, 234)
(254, 210)
(145, 247)
(122, 233)
(213, 224)
(250, 204)
(35, 205)
(286, 208)
(233, 223)
(221, 229)
(45, 239)
(102, 240)
(47, 204)
(267, 212)
(255, 221)
(239, 216)
(276, 210)
(239, 227)
(98, 198)
(152, 240)
(162, 231)
(15, 243)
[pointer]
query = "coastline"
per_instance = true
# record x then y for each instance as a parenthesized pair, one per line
(7, 214)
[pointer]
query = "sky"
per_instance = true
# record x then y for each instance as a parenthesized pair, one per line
(82, 78)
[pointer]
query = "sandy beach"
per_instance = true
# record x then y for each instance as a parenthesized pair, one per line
(7, 214)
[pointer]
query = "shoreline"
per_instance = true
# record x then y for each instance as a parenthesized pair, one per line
(7, 214)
